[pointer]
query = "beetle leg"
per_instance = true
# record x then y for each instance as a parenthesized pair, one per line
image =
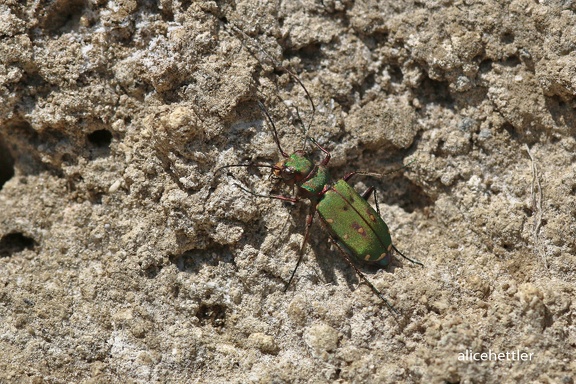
(309, 220)
(349, 175)
(346, 257)
(257, 165)
(367, 194)
(374, 174)
(407, 258)
(279, 197)
(327, 158)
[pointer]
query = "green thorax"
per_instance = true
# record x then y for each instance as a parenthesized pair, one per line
(299, 170)
(313, 186)
(299, 164)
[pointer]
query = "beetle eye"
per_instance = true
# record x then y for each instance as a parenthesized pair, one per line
(288, 172)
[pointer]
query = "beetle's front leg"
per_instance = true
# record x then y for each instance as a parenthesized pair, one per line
(278, 197)
(328, 156)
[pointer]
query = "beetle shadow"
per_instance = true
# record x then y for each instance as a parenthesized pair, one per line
(193, 261)
(328, 259)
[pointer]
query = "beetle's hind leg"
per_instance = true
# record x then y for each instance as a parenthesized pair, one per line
(407, 258)
(365, 196)
(309, 220)
(346, 257)
(278, 197)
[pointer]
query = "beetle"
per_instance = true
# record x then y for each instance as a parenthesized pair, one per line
(354, 227)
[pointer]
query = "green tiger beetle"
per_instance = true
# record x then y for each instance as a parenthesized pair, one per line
(354, 227)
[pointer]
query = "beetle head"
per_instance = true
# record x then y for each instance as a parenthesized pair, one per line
(294, 168)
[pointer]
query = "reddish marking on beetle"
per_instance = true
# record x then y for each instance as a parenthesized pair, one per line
(358, 228)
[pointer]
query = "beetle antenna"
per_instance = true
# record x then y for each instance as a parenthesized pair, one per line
(278, 65)
(306, 137)
(274, 131)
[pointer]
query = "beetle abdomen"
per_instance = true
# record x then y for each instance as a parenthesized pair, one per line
(351, 220)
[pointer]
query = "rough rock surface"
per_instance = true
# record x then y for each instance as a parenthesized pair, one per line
(124, 257)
